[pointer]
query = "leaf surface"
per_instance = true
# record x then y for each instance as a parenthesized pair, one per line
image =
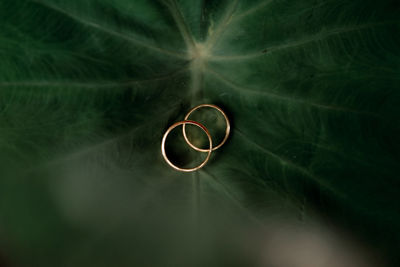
(87, 89)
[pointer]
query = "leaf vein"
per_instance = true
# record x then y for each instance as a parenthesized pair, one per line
(90, 85)
(285, 162)
(181, 23)
(301, 42)
(112, 32)
(284, 98)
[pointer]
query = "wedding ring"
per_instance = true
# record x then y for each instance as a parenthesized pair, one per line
(205, 150)
(227, 131)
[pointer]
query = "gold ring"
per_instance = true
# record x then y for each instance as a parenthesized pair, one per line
(206, 150)
(227, 131)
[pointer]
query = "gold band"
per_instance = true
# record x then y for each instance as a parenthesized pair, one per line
(227, 131)
(206, 150)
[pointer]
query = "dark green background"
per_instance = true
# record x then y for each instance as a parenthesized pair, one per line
(87, 89)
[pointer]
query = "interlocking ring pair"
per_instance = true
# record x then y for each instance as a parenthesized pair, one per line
(205, 130)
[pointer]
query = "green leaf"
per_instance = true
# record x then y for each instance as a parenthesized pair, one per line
(87, 89)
